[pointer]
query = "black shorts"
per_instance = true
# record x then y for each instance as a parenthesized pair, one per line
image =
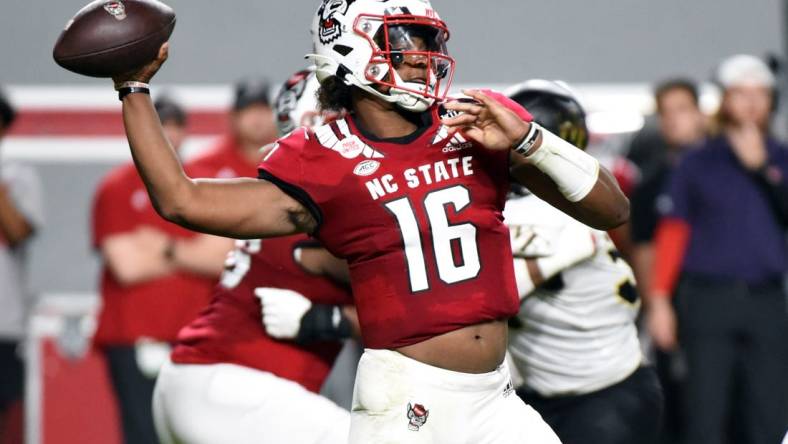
(629, 412)
(12, 375)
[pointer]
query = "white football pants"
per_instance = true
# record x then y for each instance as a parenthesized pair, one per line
(398, 400)
(231, 404)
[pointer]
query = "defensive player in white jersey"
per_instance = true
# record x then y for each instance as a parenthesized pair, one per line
(574, 341)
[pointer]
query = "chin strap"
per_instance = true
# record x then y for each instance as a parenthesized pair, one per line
(404, 99)
(409, 100)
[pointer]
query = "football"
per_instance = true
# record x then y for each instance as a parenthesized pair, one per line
(107, 38)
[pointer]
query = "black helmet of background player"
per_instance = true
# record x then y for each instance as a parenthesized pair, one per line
(7, 114)
(173, 120)
(252, 118)
(554, 107)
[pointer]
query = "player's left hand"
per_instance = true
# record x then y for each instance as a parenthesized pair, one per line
(145, 73)
(282, 311)
(487, 121)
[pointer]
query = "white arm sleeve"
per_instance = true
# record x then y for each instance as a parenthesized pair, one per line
(572, 169)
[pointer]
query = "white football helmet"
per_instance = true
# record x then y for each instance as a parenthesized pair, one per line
(296, 103)
(363, 42)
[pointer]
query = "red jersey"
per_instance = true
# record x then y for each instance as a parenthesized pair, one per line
(230, 329)
(419, 220)
(158, 308)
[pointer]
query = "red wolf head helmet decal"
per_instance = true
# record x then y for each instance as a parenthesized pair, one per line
(331, 29)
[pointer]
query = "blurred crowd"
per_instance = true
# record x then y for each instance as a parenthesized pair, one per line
(706, 239)
(708, 228)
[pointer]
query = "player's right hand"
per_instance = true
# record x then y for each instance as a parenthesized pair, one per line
(282, 311)
(146, 73)
(661, 323)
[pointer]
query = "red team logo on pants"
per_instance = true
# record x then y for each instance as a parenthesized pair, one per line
(417, 416)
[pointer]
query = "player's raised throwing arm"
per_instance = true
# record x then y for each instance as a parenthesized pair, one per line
(238, 208)
(551, 168)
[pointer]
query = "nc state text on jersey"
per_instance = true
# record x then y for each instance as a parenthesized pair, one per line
(427, 174)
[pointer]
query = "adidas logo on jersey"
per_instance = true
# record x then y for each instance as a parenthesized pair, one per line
(337, 136)
(441, 135)
(457, 142)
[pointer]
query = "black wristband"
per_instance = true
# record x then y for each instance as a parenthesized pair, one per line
(323, 323)
(525, 146)
(123, 92)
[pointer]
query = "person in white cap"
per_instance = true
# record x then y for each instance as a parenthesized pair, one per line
(720, 248)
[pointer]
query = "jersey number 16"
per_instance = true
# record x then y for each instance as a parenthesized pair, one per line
(444, 236)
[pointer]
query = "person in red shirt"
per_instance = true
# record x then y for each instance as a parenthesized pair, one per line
(270, 386)
(251, 122)
(409, 189)
(155, 278)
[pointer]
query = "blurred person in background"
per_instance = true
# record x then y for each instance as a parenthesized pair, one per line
(252, 126)
(156, 277)
(681, 125)
(723, 232)
(21, 216)
(250, 367)
(574, 341)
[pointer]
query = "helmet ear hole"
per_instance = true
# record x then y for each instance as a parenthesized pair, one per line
(343, 72)
(342, 49)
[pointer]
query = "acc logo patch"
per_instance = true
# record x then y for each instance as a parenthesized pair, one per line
(366, 168)
(330, 29)
(116, 9)
(417, 416)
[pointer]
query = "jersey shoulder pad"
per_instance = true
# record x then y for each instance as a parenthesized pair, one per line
(339, 137)
(285, 153)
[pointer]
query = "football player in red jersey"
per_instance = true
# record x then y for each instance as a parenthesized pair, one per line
(230, 379)
(410, 190)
